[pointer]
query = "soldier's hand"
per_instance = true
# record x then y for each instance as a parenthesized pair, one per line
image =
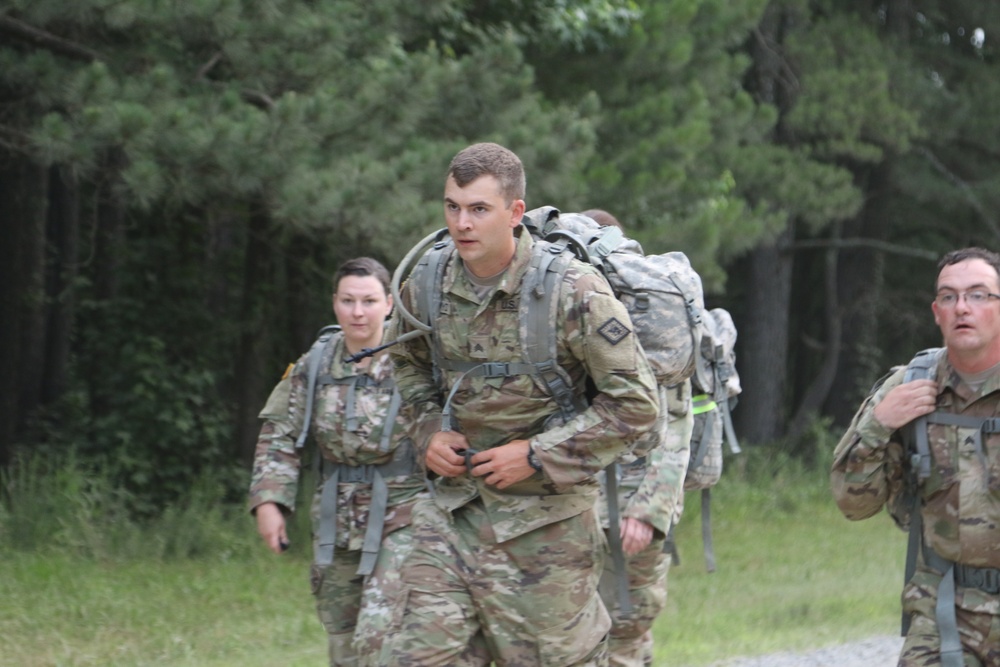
(636, 535)
(271, 526)
(504, 465)
(444, 453)
(905, 402)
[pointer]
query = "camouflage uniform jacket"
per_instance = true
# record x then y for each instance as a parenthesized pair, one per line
(651, 489)
(277, 461)
(494, 411)
(960, 499)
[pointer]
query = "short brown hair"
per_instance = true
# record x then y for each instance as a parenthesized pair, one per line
(488, 159)
(602, 217)
(965, 254)
(362, 266)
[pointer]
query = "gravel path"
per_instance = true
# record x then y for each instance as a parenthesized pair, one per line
(872, 652)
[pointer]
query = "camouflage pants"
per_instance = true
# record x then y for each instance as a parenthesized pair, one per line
(531, 601)
(352, 609)
(631, 641)
(978, 631)
(383, 590)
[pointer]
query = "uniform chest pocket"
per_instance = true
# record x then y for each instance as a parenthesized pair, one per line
(962, 453)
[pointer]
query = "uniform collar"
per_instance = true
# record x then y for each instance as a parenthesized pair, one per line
(457, 283)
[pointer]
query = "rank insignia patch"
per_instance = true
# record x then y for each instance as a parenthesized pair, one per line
(614, 331)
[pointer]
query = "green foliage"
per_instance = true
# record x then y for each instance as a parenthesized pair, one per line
(671, 117)
(66, 503)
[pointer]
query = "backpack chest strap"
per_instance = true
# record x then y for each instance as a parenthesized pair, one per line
(472, 369)
(335, 474)
(488, 369)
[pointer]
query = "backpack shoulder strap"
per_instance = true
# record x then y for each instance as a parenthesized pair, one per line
(428, 278)
(539, 309)
(323, 340)
(921, 367)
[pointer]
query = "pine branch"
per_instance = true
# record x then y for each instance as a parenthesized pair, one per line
(207, 67)
(258, 99)
(46, 40)
(13, 140)
(964, 187)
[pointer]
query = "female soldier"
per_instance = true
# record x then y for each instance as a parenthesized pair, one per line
(368, 480)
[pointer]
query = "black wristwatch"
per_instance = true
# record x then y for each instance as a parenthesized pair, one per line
(533, 460)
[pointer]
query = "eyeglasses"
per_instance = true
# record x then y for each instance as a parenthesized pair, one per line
(976, 298)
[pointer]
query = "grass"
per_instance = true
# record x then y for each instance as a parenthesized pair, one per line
(59, 611)
(792, 574)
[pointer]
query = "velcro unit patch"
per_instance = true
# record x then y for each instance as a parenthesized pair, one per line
(613, 331)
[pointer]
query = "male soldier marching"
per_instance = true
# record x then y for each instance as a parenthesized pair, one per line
(509, 553)
(953, 598)
(650, 498)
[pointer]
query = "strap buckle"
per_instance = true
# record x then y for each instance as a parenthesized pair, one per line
(362, 474)
(494, 369)
(986, 579)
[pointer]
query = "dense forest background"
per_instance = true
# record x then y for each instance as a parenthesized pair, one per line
(178, 181)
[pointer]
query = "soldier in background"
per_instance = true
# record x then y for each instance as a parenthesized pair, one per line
(650, 498)
(510, 550)
(952, 599)
(369, 482)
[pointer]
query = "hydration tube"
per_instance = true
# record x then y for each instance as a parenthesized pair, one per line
(403, 269)
(420, 328)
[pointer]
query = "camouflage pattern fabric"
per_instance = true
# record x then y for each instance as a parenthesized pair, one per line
(652, 492)
(979, 630)
(277, 465)
(492, 412)
(536, 595)
(382, 593)
(960, 500)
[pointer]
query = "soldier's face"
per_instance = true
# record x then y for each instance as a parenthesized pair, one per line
(481, 224)
(361, 306)
(971, 332)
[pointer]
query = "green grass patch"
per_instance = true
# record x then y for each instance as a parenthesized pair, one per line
(59, 611)
(792, 573)
(82, 584)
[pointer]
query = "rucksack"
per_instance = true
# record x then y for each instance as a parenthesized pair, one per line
(652, 287)
(714, 388)
(649, 285)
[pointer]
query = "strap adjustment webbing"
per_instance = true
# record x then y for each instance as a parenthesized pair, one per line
(340, 473)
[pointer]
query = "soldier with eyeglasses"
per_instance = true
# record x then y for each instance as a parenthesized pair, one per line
(926, 444)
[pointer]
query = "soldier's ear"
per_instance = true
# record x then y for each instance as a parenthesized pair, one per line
(517, 209)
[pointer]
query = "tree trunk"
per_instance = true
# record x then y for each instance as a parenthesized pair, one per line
(22, 291)
(249, 374)
(860, 292)
(762, 362)
(63, 268)
(107, 254)
(819, 387)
